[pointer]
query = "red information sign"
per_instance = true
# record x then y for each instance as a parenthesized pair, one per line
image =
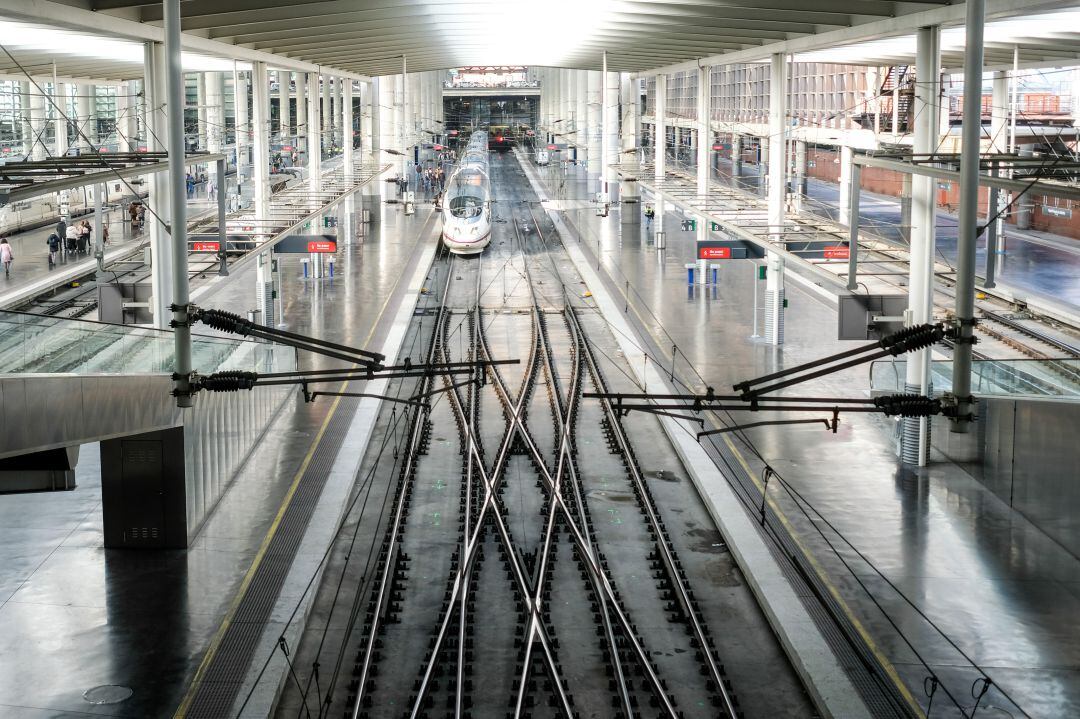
(322, 246)
(205, 246)
(714, 253)
(837, 252)
(287, 148)
(553, 147)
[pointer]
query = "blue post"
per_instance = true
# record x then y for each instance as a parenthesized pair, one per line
(331, 266)
(690, 273)
(304, 262)
(715, 273)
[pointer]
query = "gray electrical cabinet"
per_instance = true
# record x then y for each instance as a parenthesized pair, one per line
(857, 313)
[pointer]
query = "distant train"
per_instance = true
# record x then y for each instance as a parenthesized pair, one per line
(466, 204)
(501, 138)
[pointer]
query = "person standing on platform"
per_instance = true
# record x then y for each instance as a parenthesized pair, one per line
(61, 229)
(54, 248)
(71, 239)
(7, 257)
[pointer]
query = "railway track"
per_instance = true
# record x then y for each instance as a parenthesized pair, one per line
(508, 580)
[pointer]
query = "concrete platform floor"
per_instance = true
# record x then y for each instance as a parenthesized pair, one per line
(74, 616)
(996, 586)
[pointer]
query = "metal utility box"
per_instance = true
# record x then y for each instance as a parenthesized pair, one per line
(857, 313)
(125, 303)
(143, 491)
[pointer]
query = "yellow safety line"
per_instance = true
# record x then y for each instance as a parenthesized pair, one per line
(901, 686)
(820, 571)
(215, 643)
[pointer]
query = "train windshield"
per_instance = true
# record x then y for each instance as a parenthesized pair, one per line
(465, 196)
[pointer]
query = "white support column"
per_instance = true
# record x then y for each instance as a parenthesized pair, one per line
(847, 157)
(260, 121)
(399, 123)
(629, 192)
(774, 279)
(127, 120)
(736, 154)
(38, 150)
(385, 99)
(610, 119)
(215, 120)
(201, 127)
(215, 111)
(581, 116)
(303, 145)
(915, 441)
(284, 109)
(704, 145)
(595, 100)
(800, 172)
(347, 124)
(243, 126)
(326, 110)
(998, 200)
(315, 135)
(339, 111)
(84, 109)
(373, 145)
(159, 202)
(660, 155)
(60, 123)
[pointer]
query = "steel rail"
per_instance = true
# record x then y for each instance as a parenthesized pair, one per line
(565, 420)
(491, 481)
(396, 530)
(667, 557)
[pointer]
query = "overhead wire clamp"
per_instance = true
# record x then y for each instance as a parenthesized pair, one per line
(228, 381)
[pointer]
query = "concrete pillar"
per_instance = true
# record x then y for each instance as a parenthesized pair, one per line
(399, 123)
(736, 155)
(284, 109)
(154, 89)
(314, 123)
(595, 101)
(129, 116)
(764, 147)
(611, 147)
(999, 143)
(202, 127)
(905, 207)
(660, 154)
(915, 436)
(629, 191)
(388, 124)
(774, 279)
(846, 158)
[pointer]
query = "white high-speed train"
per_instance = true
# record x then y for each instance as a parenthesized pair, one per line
(466, 204)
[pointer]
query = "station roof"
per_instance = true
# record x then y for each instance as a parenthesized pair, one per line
(371, 37)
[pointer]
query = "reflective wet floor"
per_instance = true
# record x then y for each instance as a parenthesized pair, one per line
(996, 587)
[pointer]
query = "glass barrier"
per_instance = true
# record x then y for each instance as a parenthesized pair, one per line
(46, 345)
(1030, 377)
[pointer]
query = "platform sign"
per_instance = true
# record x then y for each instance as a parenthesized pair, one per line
(714, 253)
(305, 244)
(728, 250)
(205, 246)
(721, 147)
(818, 250)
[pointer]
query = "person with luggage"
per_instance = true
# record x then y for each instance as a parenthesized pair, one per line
(54, 248)
(84, 237)
(71, 239)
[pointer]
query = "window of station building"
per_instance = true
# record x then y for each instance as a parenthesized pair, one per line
(105, 113)
(10, 117)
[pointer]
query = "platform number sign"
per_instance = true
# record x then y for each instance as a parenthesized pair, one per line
(714, 226)
(689, 225)
(329, 221)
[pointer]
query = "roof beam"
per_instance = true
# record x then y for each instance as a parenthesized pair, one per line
(891, 27)
(74, 18)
